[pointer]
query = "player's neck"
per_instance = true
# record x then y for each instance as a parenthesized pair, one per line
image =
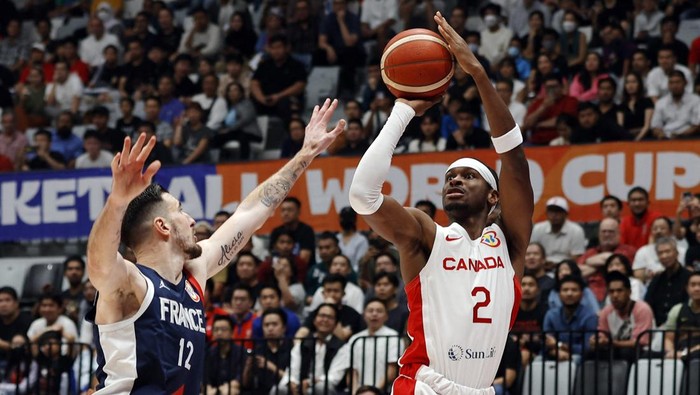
(167, 263)
(474, 225)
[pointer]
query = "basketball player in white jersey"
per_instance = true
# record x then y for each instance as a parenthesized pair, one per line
(462, 281)
(149, 315)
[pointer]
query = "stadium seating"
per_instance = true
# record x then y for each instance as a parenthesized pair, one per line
(655, 377)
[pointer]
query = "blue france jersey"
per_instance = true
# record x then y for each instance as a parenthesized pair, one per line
(159, 350)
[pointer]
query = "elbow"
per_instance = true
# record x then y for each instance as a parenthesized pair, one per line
(363, 200)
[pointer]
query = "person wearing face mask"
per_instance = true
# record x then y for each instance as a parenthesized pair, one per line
(572, 43)
(495, 38)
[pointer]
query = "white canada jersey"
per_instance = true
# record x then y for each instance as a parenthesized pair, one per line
(462, 305)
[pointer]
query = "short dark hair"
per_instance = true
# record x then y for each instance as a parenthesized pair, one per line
(669, 19)
(609, 80)
(355, 121)
(234, 57)
(245, 288)
(127, 99)
(222, 317)
(156, 98)
(692, 274)
(375, 299)
(335, 278)
(391, 277)
(532, 276)
(328, 235)
(617, 276)
(638, 189)
(294, 200)
(506, 81)
(586, 105)
(223, 212)
(613, 198)
(10, 291)
(44, 132)
(248, 254)
(677, 73)
(666, 47)
(91, 134)
(72, 258)
(572, 279)
(332, 306)
(273, 287)
(140, 211)
(52, 296)
(278, 38)
(665, 219)
(431, 206)
(275, 311)
(369, 388)
(195, 106)
(285, 232)
(391, 257)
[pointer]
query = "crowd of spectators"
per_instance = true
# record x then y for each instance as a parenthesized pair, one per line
(198, 75)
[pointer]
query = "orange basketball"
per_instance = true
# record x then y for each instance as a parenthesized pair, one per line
(416, 64)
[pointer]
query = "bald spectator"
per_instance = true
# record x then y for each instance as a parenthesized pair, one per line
(561, 238)
(677, 114)
(12, 142)
(92, 47)
(592, 262)
(635, 228)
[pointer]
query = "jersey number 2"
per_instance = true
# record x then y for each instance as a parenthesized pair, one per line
(190, 348)
(476, 319)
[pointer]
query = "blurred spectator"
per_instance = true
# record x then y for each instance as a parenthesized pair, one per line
(138, 73)
(387, 288)
(112, 139)
(530, 319)
(86, 304)
(224, 359)
(637, 109)
(584, 86)
(572, 43)
(427, 207)
(352, 294)
(273, 22)
(168, 33)
(37, 59)
(449, 117)
(376, 350)
(240, 37)
(519, 16)
(458, 19)
(668, 287)
(293, 295)
(611, 12)
(140, 31)
(566, 126)
(593, 260)
(685, 229)
(107, 74)
(506, 90)
(160, 151)
(569, 267)
(339, 38)
(13, 142)
(681, 336)
(544, 110)
(326, 357)
(617, 49)
(236, 72)
(42, 35)
(468, 136)
(379, 110)
(355, 143)
(328, 247)
(507, 372)
(211, 310)
(658, 80)
(31, 101)
(677, 114)
(419, 14)
(647, 23)
(192, 136)
(14, 51)
(93, 46)
(561, 238)
(214, 106)
(184, 87)
(128, 123)
(271, 298)
(202, 230)
(268, 364)
(164, 132)
(620, 263)
(595, 128)
(305, 240)
(635, 228)
(429, 139)
(473, 40)
(13, 321)
(533, 38)
(63, 94)
(242, 314)
(64, 141)
(94, 156)
(54, 366)
(283, 247)
(692, 257)
(203, 38)
(40, 156)
(669, 39)
(69, 53)
(535, 264)
(373, 88)
(368, 389)
(51, 319)
(240, 122)
(349, 321)
(279, 80)
(575, 322)
(624, 318)
(377, 19)
(245, 272)
(495, 39)
(73, 272)
(294, 139)
(352, 243)
(544, 65)
(171, 106)
(385, 260)
(694, 56)
(19, 370)
(515, 67)
(641, 65)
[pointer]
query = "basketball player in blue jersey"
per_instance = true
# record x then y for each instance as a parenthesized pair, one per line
(149, 313)
(462, 281)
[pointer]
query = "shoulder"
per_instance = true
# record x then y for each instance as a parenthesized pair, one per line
(643, 307)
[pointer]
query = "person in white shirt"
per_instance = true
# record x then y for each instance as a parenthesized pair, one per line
(50, 309)
(646, 262)
(214, 106)
(375, 350)
(63, 94)
(353, 295)
(203, 39)
(647, 23)
(561, 238)
(657, 79)
(92, 47)
(94, 156)
(516, 108)
(377, 18)
(520, 15)
(495, 39)
(677, 114)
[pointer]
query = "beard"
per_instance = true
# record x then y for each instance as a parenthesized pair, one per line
(191, 249)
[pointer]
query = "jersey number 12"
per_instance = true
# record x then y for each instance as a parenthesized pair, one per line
(190, 349)
(476, 319)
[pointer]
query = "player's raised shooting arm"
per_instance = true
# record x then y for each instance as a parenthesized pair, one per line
(261, 203)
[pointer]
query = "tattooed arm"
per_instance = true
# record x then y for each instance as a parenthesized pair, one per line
(252, 213)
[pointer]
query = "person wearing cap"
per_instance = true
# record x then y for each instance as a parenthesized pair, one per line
(462, 280)
(37, 58)
(561, 238)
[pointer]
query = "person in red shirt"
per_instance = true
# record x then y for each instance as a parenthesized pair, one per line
(242, 314)
(69, 53)
(592, 262)
(37, 58)
(542, 114)
(211, 311)
(635, 228)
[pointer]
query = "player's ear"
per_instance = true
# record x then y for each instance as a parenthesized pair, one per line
(161, 226)
(493, 197)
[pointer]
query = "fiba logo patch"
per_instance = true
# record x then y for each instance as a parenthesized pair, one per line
(490, 239)
(455, 353)
(190, 291)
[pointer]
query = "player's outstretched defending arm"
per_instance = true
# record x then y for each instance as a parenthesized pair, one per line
(261, 203)
(515, 190)
(410, 230)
